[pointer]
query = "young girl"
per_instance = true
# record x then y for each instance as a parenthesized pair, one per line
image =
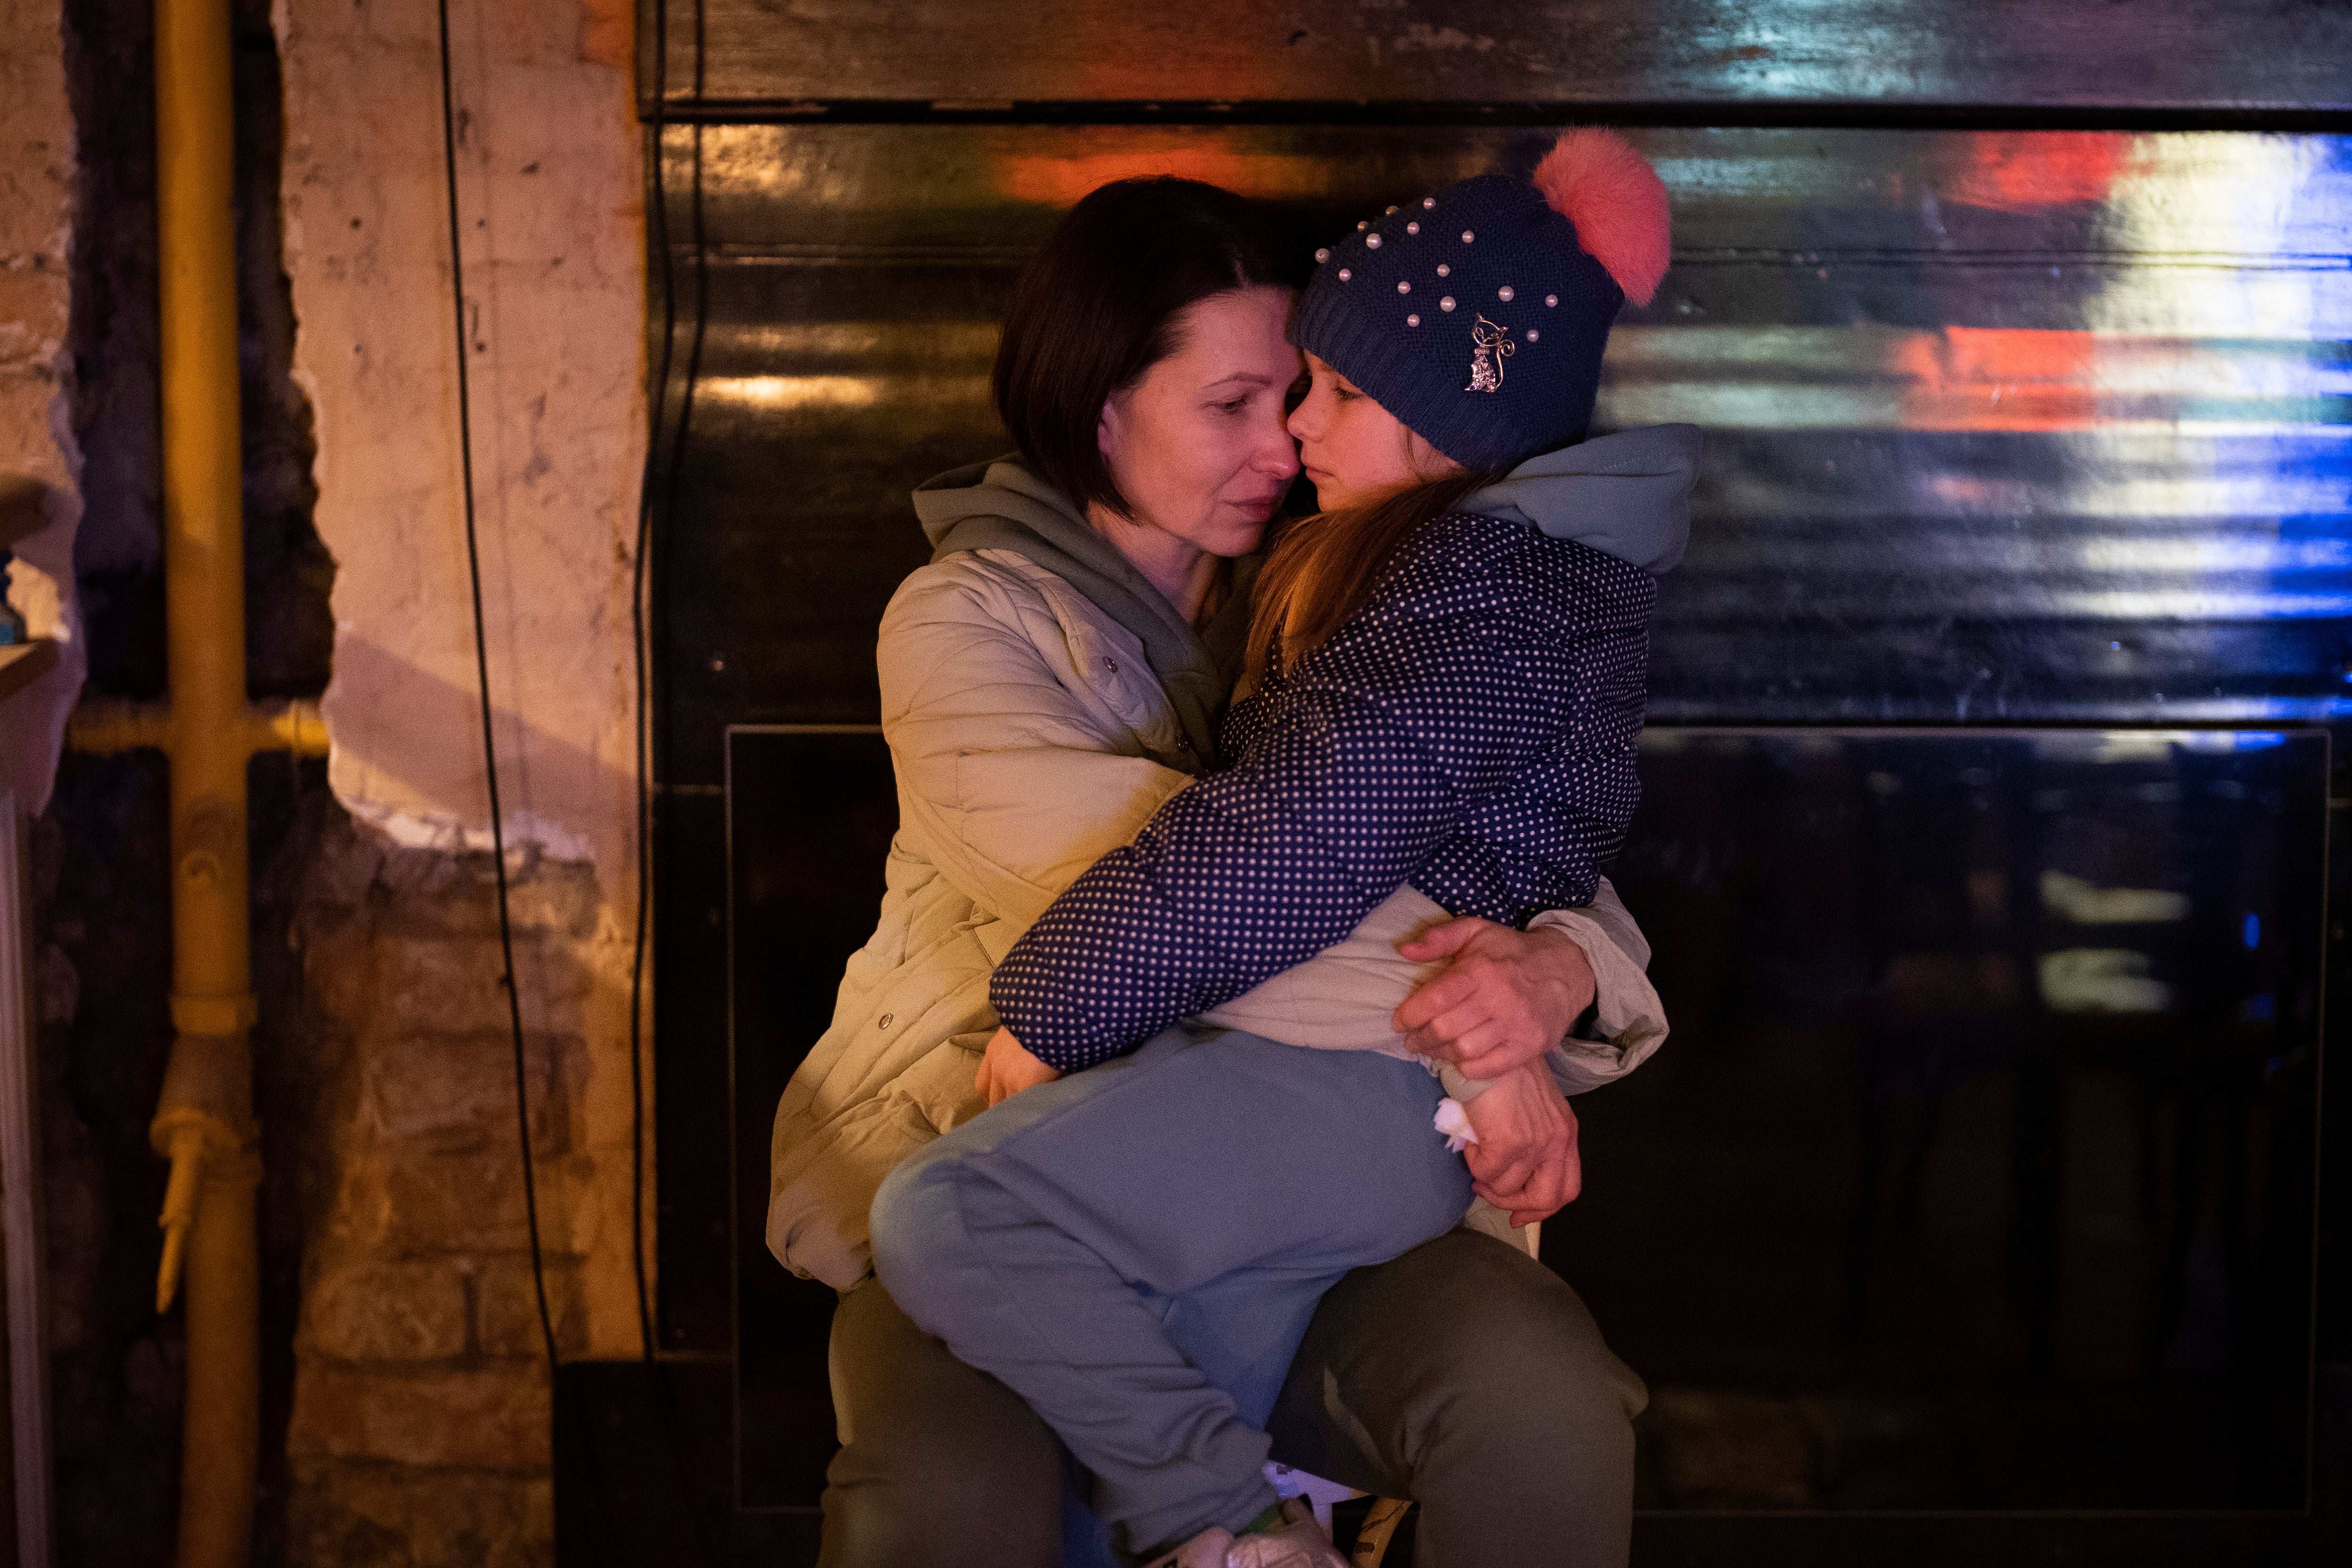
(1450, 694)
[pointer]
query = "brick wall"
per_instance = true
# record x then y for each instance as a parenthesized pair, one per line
(418, 1424)
(419, 1432)
(37, 190)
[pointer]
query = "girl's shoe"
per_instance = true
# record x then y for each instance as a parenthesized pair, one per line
(1206, 1550)
(1298, 1543)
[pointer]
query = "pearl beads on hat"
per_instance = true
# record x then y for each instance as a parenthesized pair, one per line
(1322, 254)
(1441, 289)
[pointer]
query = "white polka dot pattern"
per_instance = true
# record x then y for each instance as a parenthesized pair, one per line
(1471, 732)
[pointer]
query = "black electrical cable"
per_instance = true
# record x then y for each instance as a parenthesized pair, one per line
(671, 474)
(664, 1395)
(658, 158)
(658, 406)
(482, 671)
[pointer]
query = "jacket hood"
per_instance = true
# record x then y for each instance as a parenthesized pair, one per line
(1001, 505)
(1626, 495)
(1004, 489)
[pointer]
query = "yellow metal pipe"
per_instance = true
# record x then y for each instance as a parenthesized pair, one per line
(204, 1122)
(101, 726)
(294, 727)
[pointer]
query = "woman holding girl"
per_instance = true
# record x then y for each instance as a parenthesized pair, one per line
(1048, 683)
(1449, 694)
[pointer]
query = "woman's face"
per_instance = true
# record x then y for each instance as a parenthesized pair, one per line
(1197, 447)
(1355, 451)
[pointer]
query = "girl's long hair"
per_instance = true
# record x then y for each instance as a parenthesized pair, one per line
(1324, 567)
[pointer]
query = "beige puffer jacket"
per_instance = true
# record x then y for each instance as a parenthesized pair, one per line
(1029, 736)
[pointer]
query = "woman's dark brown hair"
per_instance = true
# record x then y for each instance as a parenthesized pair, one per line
(1096, 309)
(1323, 568)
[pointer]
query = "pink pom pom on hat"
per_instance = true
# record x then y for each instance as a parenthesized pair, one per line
(1595, 180)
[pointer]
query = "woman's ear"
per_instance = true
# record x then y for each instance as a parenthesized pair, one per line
(1107, 429)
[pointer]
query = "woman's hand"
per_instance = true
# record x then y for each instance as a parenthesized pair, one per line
(1006, 1068)
(1506, 997)
(1525, 1161)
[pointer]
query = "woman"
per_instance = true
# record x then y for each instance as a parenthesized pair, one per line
(1452, 695)
(1045, 690)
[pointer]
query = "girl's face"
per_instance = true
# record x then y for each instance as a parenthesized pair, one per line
(1197, 447)
(1355, 451)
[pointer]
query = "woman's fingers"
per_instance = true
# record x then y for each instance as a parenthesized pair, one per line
(1486, 1036)
(1442, 940)
(1448, 1035)
(1526, 1160)
(1516, 1200)
(1487, 1048)
(1552, 1186)
(1505, 1173)
(1525, 988)
(1449, 990)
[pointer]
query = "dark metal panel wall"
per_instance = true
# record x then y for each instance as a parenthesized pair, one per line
(2185, 54)
(1976, 1176)
(2003, 426)
(2007, 424)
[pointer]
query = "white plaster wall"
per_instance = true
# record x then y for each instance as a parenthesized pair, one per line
(550, 195)
(37, 173)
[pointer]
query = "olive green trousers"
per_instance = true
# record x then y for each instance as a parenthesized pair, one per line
(1463, 1375)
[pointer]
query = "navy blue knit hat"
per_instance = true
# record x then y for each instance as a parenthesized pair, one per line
(1477, 316)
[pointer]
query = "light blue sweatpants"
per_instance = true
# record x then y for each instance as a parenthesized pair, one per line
(1137, 1250)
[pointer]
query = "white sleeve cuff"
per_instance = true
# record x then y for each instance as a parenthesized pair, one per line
(1629, 1023)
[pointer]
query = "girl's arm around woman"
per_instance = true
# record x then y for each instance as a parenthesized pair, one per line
(1470, 732)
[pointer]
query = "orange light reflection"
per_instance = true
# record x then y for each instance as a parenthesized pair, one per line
(2022, 171)
(1060, 181)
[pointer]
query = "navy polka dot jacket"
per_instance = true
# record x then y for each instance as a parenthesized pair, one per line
(1471, 732)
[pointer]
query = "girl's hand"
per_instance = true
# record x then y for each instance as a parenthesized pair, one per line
(1506, 997)
(1525, 1161)
(1006, 1068)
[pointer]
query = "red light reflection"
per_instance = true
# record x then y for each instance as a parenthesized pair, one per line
(1987, 378)
(2021, 171)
